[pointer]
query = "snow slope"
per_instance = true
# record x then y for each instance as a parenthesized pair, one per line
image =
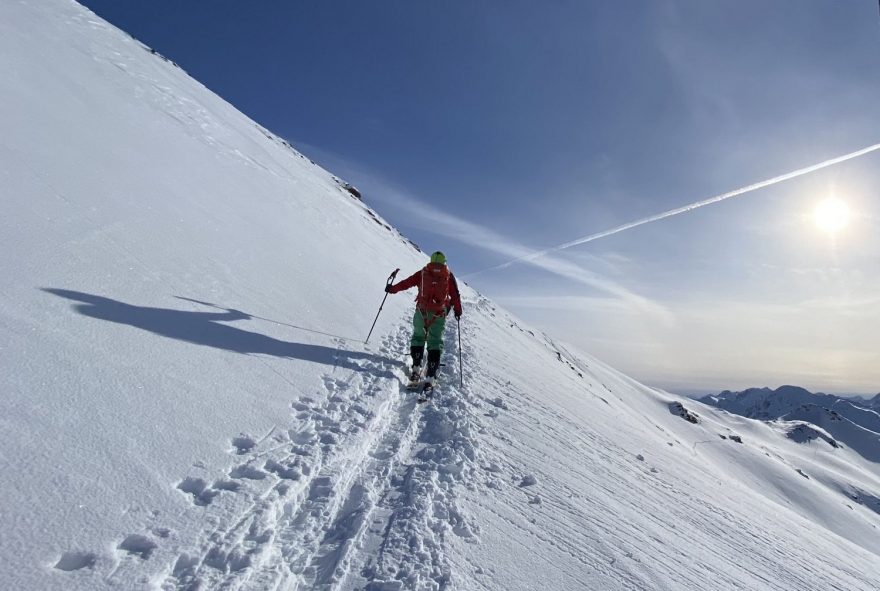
(187, 403)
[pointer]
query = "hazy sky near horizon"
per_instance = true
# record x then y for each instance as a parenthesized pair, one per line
(490, 130)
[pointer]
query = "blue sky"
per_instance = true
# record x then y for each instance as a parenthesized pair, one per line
(490, 129)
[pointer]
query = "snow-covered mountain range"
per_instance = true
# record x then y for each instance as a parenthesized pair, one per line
(188, 402)
(848, 421)
(767, 403)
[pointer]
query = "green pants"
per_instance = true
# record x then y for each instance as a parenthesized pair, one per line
(433, 333)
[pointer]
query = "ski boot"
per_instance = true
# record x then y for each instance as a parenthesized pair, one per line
(430, 376)
(433, 363)
(415, 376)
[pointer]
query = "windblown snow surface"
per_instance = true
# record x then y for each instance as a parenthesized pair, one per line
(187, 402)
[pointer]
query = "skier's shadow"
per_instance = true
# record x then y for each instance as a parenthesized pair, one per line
(207, 328)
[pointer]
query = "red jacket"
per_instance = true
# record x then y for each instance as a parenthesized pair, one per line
(422, 279)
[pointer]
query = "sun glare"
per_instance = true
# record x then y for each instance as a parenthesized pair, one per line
(831, 215)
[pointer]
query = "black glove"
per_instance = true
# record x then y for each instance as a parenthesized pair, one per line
(388, 288)
(458, 315)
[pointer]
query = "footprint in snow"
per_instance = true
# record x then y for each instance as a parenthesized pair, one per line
(328, 439)
(243, 444)
(299, 406)
(202, 493)
(76, 560)
(304, 404)
(248, 472)
(498, 402)
(335, 403)
(320, 488)
(227, 485)
(197, 487)
(138, 545)
(528, 480)
(286, 471)
(332, 384)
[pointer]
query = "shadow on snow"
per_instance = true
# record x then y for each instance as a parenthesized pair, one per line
(207, 329)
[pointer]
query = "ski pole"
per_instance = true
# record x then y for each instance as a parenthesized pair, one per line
(387, 283)
(460, 368)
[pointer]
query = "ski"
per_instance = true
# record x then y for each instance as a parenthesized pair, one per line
(425, 386)
(415, 380)
(429, 387)
(427, 393)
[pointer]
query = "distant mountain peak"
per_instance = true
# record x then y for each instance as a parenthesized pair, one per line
(788, 390)
(852, 422)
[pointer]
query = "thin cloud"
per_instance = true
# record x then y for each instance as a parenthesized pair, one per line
(564, 302)
(535, 255)
(455, 228)
(427, 217)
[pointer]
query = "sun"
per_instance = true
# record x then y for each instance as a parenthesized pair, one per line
(831, 215)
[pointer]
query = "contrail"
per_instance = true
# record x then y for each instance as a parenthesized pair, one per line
(684, 209)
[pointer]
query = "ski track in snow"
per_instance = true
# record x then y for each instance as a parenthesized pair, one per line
(357, 494)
